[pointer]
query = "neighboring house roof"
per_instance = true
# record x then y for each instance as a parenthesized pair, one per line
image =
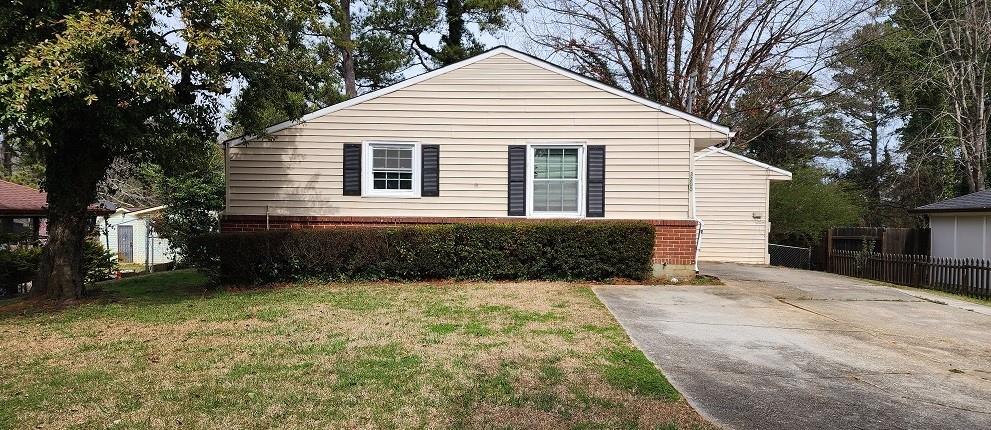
(16, 199)
(714, 150)
(487, 54)
(973, 202)
(20, 200)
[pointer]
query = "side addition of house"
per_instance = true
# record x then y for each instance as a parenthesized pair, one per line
(732, 196)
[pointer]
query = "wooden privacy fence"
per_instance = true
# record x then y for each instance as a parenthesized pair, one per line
(966, 276)
(886, 240)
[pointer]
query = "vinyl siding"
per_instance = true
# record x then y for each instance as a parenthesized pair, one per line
(729, 192)
(966, 235)
(161, 251)
(474, 113)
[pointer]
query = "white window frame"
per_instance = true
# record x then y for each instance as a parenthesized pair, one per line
(582, 180)
(367, 177)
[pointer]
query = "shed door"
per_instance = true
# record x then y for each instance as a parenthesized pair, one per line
(125, 243)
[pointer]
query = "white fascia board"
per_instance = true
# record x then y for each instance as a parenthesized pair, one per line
(147, 210)
(490, 53)
(714, 150)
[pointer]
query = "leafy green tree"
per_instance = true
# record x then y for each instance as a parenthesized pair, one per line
(369, 59)
(453, 20)
(193, 196)
(939, 70)
(88, 83)
(809, 204)
(900, 51)
(776, 119)
(861, 121)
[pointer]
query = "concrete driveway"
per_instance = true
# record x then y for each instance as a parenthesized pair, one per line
(779, 348)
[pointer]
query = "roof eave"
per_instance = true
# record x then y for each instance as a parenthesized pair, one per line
(922, 210)
(717, 150)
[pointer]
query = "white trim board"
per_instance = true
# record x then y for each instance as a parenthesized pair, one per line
(714, 150)
(488, 54)
(368, 170)
(582, 179)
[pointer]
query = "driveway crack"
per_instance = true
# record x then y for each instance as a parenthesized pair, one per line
(809, 310)
(760, 326)
(916, 399)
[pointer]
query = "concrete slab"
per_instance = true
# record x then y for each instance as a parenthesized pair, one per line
(780, 348)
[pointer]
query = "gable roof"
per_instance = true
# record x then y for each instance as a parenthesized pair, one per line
(715, 150)
(505, 50)
(973, 202)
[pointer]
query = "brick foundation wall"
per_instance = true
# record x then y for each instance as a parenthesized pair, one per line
(674, 240)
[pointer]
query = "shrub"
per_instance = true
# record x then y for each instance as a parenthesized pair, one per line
(99, 263)
(17, 266)
(509, 251)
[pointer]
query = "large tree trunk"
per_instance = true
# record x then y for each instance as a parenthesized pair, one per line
(60, 274)
(454, 49)
(6, 156)
(74, 170)
(350, 87)
(347, 51)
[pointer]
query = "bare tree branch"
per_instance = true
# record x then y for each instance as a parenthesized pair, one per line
(694, 55)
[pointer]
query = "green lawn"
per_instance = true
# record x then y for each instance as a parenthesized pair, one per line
(161, 351)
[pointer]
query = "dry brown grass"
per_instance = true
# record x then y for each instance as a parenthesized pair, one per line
(156, 353)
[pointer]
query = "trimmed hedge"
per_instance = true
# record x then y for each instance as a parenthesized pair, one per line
(506, 251)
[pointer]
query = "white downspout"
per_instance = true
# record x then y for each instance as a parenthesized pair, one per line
(701, 224)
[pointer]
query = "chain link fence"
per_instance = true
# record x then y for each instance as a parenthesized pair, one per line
(790, 256)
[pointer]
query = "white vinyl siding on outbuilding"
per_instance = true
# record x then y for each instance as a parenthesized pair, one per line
(732, 199)
(144, 248)
(474, 113)
(960, 235)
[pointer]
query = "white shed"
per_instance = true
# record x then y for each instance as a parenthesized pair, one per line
(129, 234)
(732, 195)
(960, 227)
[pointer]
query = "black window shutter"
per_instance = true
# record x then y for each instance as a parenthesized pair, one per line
(517, 180)
(430, 175)
(595, 195)
(352, 169)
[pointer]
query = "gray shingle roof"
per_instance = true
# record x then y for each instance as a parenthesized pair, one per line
(973, 202)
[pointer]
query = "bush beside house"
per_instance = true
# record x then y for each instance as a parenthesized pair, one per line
(512, 251)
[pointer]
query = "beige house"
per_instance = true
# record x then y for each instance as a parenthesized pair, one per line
(731, 197)
(500, 135)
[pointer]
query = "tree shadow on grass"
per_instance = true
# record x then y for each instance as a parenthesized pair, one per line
(164, 288)
(184, 295)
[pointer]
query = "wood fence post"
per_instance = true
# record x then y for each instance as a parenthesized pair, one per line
(829, 250)
(965, 285)
(914, 276)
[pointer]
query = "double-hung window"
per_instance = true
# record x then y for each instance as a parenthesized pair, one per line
(556, 180)
(391, 169)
